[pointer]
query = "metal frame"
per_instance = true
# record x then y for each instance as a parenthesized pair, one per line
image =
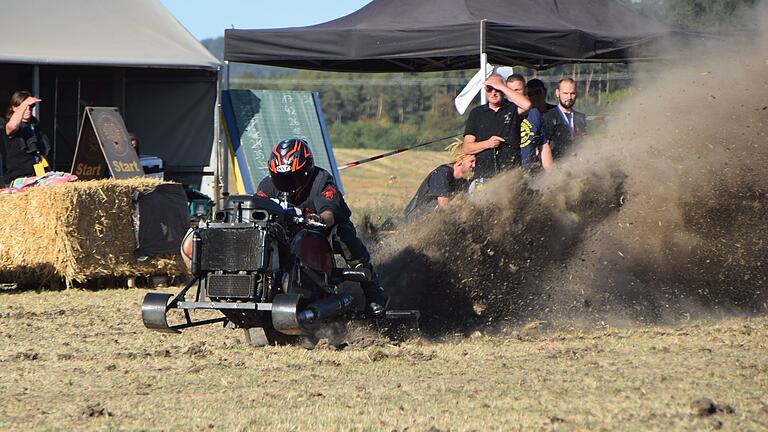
(483, 60)
(327, 140)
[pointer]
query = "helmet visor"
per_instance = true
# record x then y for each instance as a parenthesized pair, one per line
(289, 181)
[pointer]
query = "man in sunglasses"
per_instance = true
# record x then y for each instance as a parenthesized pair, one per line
(492, 132)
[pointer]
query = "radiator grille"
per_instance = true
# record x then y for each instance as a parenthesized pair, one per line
(230, 285)
(232, 250)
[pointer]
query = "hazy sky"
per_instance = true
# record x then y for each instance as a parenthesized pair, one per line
(208, 18)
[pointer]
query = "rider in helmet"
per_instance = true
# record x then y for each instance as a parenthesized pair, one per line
(292, 170)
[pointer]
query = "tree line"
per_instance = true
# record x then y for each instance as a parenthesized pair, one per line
(392, 110)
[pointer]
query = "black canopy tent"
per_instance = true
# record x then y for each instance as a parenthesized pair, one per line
(437, 35)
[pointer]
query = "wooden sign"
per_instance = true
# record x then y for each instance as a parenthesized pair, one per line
(104, 147)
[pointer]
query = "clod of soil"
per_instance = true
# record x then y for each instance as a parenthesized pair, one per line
(95, 410)
(325, 344)
(197, 350)
(376, 354)
(164, 353)
(28, 355)
(419, 356)
(705, 407)
(556, 419)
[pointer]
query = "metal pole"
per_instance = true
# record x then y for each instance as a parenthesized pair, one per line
(36, 89)
(77, 109)
(483, 60)
(217, 142)
(224, 146)
(123, 111)
(55, 117)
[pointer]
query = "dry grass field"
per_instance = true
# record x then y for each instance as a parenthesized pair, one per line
(382, 188)
(81, 360)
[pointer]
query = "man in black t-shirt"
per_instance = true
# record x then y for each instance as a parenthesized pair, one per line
(492, 132)
(442, 184)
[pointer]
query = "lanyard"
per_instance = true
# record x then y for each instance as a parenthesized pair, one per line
(568, 119)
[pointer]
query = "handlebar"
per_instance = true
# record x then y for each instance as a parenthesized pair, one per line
(309, 223)
(314, 224)
(296, 216)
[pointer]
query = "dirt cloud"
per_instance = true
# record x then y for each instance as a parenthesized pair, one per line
(661, 217)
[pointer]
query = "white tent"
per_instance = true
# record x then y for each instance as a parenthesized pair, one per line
(130, 54)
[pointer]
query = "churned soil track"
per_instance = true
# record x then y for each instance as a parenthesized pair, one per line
(81, 360)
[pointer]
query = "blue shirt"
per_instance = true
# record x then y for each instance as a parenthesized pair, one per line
(530, 137)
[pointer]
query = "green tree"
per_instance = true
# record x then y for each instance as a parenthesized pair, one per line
(710, 15)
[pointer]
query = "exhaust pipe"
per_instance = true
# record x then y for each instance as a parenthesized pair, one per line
(324, 309)
(287, 319)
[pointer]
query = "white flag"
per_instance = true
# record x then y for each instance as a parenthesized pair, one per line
(475, 85)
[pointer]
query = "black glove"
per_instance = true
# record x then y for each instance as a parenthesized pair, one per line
(314, 217)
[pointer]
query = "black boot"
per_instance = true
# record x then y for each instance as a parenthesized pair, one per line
(375, 299)
(376, 302)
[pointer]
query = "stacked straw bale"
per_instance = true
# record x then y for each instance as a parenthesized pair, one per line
(77, 232)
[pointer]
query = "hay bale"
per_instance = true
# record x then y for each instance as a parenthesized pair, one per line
(76, 232)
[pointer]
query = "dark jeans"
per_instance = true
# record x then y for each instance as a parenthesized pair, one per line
(348, 245)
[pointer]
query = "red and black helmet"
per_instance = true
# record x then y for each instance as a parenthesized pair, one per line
(291, 164)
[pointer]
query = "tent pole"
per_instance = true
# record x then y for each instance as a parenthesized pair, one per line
(55, 117)
(77, 106)
(483, 59)
(123, 111)
(36, 89)
(224, 147)
(217, 142)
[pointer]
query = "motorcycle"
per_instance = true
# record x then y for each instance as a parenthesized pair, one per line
(270, 271)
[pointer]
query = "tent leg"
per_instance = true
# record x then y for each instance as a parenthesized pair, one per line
(217, 180)
(77, 103)
(483, 60)
(55, 118)
(36, 89)
(224, 147)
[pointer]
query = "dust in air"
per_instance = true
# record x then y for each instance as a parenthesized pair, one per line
(660, 218)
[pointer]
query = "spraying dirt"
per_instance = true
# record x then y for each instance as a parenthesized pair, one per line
(660, 218)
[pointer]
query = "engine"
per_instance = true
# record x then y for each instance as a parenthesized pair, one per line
(238, 256)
